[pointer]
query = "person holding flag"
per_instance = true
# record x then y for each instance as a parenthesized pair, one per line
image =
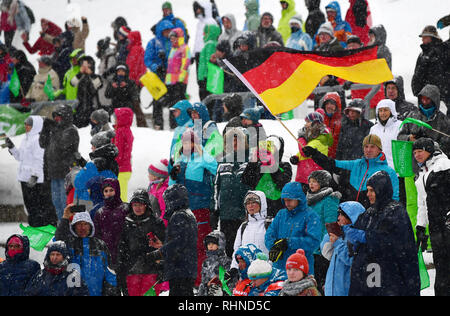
(21, 78)
(44, 83)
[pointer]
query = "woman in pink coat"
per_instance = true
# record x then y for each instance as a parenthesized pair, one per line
(124, 142)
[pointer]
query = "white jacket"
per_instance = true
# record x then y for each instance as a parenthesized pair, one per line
(255, 231)
(437, 163)
(202, 21)
(388, 132)
(30, 155)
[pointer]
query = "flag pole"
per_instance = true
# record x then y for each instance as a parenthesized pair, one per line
(256, 94)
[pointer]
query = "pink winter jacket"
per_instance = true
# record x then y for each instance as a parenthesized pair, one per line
(158, 193)
(124, 138)
(135, 59)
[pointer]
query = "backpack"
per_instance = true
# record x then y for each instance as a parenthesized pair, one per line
(267, 223)
(30, 14)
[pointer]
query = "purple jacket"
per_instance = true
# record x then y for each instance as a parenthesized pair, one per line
(110, 218)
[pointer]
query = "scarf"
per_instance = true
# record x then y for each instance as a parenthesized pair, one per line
(313, 198)
(296, 288)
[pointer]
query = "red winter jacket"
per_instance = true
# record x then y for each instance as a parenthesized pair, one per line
(135, 59)
(333, 123)
(124, 138)
(361, 31)
(43, 46)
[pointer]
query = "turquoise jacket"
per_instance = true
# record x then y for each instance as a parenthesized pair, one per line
(301, 227)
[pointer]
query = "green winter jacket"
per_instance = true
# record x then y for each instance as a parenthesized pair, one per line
(286, 16)
(68, 90)
(252, 17)
(212, 33)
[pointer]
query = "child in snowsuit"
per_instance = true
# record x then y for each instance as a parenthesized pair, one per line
(215, 259)
(266, 279)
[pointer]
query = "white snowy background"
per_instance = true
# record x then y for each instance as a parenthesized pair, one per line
(403, 20)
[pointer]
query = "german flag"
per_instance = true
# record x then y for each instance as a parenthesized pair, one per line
(284, 78)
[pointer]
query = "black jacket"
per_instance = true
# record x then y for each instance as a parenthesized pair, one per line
(389, 254)
(315, 18)
(122, 97)
(134, 243)
(351, 138)
(60, 141)
(430, 68)
(404, 108)
(87, 95)
(26, 73)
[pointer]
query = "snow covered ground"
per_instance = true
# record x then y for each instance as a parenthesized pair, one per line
(403, 20)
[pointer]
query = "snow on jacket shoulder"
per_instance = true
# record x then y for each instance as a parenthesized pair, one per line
(30, 154)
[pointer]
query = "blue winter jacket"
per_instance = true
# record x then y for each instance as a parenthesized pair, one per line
(272, 286)
(300, 41)
(301, 227)
(91, 254)
(16, 272)
(177, 23)
(205, 118)
(197, 175)
(340, 24)
(248, 254)
(157, 45)
(337, 281)
(362, 169)
(82, 178)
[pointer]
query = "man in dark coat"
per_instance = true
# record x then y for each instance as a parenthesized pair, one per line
(382, 242)
(315, 18)
(179, 251)
(429, 112)
(17, 270)
(267, 33)
(395, 91)
(88, 84)
(55, 279)
(122, 91)
(60, 139)
(26, 73)
(430, 66)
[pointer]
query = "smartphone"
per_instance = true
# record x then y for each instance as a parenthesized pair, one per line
(151, 236)
(78, 209)
(334, 228)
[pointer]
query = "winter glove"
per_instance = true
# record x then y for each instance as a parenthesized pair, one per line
(32, 182)
(354, 236)
(347, 85)
(278, 249)
(154, 256)
(233, 274)
(215, 290)
(9, 143)
(309, 151)
(295, 160)
(422, 238)
(174, 172)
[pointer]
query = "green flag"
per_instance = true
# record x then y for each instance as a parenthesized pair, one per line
(424, 277)
(39, 236)
(151, 291)
(14, 85)
(417, 122)
(222, 280)
(215, 79)
(402, 154)
(12, 121)
(48, 89)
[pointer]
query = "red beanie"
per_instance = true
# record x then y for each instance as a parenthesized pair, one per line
(298, 261)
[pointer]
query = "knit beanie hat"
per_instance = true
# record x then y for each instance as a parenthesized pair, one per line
(159, 169)
(261, 268)
(323, 177)
(167, 5)
(326, 28)
(296, 19)
(252, 197)
(373, 140)
(430, 31)
(426, 144)
(314, 117)
(103, 138)
(298, 261)
(124, 30)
